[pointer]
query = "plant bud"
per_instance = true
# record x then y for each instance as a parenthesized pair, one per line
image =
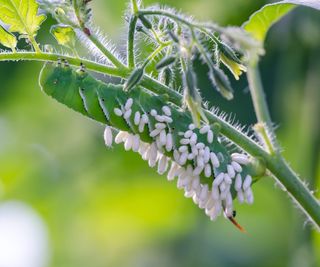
(166, 76)
(221, 82)
(64, 35)
(191, 81)
(166, 61)
(235, 68)
(133, 79)
(230, 60)
(59, 11)
(162, 24)
(192, 97)
(228, 52)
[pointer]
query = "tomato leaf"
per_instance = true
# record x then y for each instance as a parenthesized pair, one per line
(64, 35)
(21, 16)
(261, 21)
(7, 39)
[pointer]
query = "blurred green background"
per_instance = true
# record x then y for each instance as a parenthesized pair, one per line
(107, 208)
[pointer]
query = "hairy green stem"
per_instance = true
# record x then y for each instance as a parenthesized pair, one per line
(260, 105)
(274, 160)
(153, 55)
(165, 14)
(156, 37)
(77, 13)
(180, 19)
(258, 96)
(130, 45)
(34, 43)
(114, 60)
(51, 57)
(202, 50)
(135, 8)
(277, 166)
(296, 189)
(261, 132)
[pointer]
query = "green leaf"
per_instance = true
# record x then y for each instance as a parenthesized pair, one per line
(7, 39)
(21, 16)
(261, 21)
(64, 35)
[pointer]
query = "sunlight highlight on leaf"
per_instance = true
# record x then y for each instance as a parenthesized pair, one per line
(21, 16)
(7, 39)
(262, 20)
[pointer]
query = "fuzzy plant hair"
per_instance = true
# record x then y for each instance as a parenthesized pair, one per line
(156, 108)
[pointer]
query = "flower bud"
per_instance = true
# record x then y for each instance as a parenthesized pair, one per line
(230, 60)
(247, 42)
(228, 52)
(166, 76)
(191, 81)
(235, 68)
(221, 82)
(166, 61)
(59, 11)
(192, 98)
(133, 79)
(64, 35)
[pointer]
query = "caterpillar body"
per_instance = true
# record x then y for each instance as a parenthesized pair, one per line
(162, 133)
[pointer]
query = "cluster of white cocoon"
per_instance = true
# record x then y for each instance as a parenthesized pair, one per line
(214, 201)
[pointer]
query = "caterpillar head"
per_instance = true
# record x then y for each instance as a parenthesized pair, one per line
(60, 82)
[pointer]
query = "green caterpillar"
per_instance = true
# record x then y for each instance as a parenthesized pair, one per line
(161, 132)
